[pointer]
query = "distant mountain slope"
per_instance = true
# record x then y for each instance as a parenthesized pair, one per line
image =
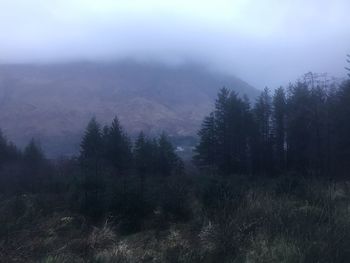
(54, 102)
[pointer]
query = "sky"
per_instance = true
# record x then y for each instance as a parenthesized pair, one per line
(264, 42)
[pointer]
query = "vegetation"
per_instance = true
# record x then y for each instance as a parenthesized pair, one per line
(270, 186)
(304, 130)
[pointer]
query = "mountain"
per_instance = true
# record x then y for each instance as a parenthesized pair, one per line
(54, 102)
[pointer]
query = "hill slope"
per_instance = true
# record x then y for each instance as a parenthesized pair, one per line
(54, 102)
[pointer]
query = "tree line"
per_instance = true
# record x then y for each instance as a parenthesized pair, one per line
(104, 151)
(111, 176)
(304, 129)
(301, 130)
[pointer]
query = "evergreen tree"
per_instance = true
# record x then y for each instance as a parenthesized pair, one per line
(91, 148)
(35, 166)
(263, 118)
(225, 136)
(33, 153)
(239, 133)
(318, 130)
(145, 154)
(117, 146)
(279, 127)
(235, 127)
(168, 161)
(342, 127)
(250, 131)
(141, 154)
(206, 149)
(91, 153)
(298, 128)
(331, 120)
(221, 115)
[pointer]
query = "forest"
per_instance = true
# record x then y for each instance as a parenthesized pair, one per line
(268, 182)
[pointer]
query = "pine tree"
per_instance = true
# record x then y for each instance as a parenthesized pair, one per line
(117, 147)
(206, 149)
(141, 153)
(91, 148)
(222, 130)
(168, 161)
(298, 128)
(250, 130)
(239, 125)
(318, 130)
(91, 153)
(33, 153)
(263, 117)
(144, 154)
(279, 127)
(35, 164)
(225, 135)
(222, 121)
(342, 127)
(348, 68)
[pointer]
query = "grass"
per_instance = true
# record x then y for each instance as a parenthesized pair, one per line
(202, 219)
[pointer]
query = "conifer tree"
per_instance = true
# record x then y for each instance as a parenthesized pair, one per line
(298, 128)
(145, 158)
(33, 153)
(226, 134)
(342, 127)
(168, 161)
(222, 122)
(117, 146)
(91, 148)
(262, 114)
(221, 114)
(239, 125)
(279, 127)
(91, 153)
(141, 154)
(206, 149)
(318, 130)
(35, 164)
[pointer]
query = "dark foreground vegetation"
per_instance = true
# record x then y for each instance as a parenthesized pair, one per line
(270, 185)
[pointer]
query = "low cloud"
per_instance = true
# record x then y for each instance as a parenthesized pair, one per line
(266, 43)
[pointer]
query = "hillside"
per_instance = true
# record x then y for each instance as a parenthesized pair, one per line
(54, 102)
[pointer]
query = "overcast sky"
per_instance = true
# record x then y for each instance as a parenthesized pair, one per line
(265, 42)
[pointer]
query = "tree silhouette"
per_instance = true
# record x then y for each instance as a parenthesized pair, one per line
(225, 135)
(168, 161)
(263, 120)
(117, 147)
(205, 156)
(91, 148)
(91, 153)
(35, 165)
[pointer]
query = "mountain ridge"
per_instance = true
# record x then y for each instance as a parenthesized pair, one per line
(53, 102)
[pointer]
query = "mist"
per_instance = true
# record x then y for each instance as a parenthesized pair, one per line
(143, 131)
(266, 43)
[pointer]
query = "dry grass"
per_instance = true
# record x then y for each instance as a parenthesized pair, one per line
(260, 224)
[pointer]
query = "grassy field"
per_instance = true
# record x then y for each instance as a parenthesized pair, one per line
(187, 219)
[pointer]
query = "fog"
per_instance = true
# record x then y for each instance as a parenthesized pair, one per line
(266, 43)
